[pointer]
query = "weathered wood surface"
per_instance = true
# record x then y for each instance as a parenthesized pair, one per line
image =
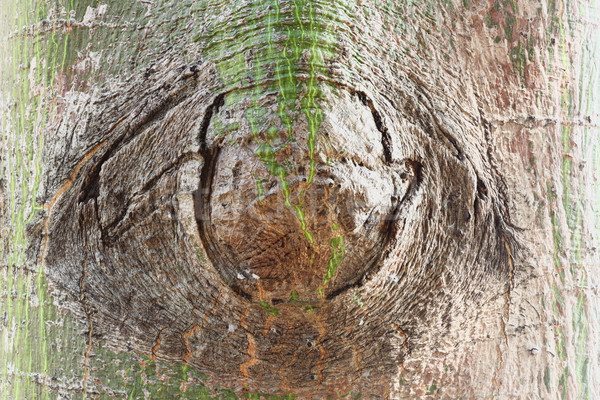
(301, 198)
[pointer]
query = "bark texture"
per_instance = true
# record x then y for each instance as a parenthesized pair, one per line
(318, 198)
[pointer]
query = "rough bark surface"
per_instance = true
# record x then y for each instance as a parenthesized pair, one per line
(317, 198)
(163, 232)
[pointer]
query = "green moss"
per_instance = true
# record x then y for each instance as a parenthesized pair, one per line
(28, 63)
(509, 25)
(179, 381)
(293, 296)
(432, 389)
(519, 60)
(194, 392)
(358, 299)
(447, 4)
(270, 309)
(337, 255)
(561, 349)
(227, 394)
(531, 48)
(274, 65)
(582, 373)
(259, 188)
(547, 378)
(581, 350)
(556, 234)
(562, 384)
(512, 4)
(558, 303)
(496, 6)
(309, 309)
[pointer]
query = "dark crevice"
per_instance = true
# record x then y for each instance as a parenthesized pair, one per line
(243, 294)
(91, 184)
(154, 109)
(417, 169)
(375, 262)
(218, 102)
(459, 153)
(90, 188)
(411, 193)
(481, 189)
(500, 210)
(480, 195)
(202, 206)
(475, 210)
(386, 139)
(203, 195)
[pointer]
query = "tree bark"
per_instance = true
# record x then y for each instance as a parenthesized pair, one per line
(300, 199)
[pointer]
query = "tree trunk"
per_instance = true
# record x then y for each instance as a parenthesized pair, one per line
(300, 199)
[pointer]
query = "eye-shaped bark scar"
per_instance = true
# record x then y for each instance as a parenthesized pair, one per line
(285, 242)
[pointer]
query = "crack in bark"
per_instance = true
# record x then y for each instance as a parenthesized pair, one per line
(459, 153)
(386, 139)
(148, 113)
(213, 109)
(412, 111)
(90, 185)
(480, 195)
(157, 344)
